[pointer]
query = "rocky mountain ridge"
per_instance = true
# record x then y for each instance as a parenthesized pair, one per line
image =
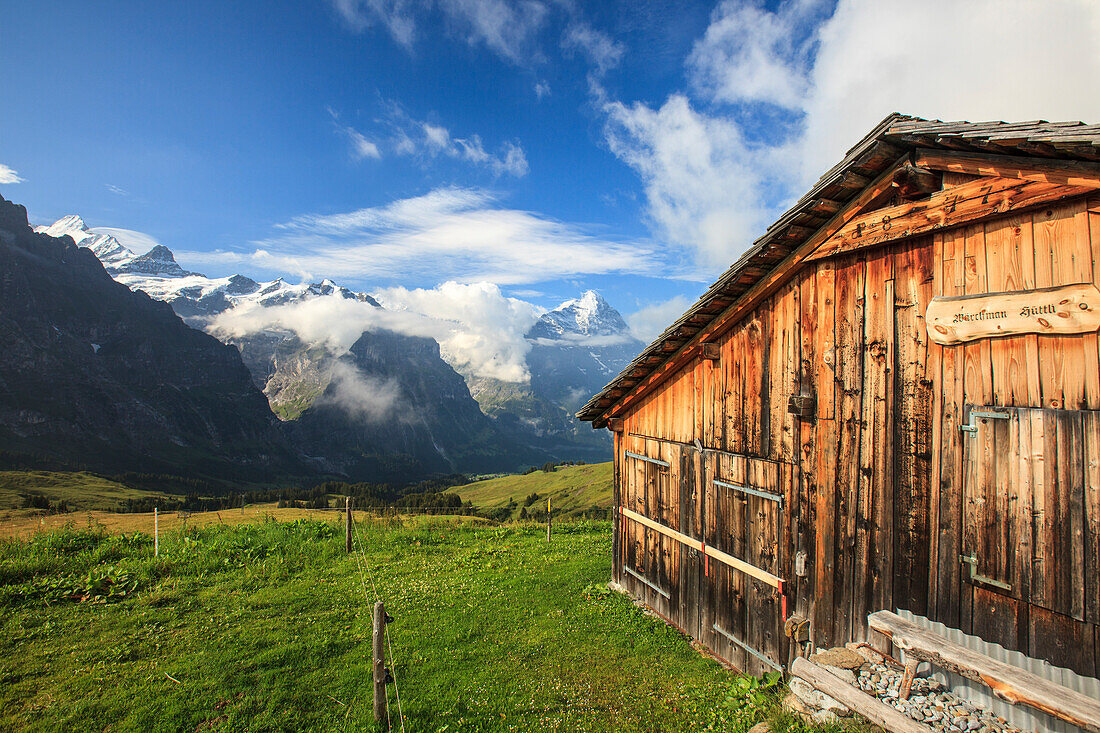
(575, 348)
(98, 376)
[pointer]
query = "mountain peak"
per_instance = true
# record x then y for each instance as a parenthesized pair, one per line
(160, 253)
(588, 315)
(70, 223)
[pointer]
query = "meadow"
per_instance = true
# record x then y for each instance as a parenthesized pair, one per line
(266, 626)
(571, 490)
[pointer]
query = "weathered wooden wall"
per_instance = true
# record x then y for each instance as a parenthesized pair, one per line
(873, 510)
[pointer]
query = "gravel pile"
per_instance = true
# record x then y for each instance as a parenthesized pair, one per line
(929, 702)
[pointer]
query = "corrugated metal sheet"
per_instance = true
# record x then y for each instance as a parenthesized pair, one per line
(1022, 717)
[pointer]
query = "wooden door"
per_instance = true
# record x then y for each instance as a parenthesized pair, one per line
(1031, 507)
(749, 495)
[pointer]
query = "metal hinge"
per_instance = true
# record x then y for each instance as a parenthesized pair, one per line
(972, 427)
(972, 561)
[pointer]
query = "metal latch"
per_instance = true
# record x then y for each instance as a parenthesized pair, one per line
(972, 427)
(972, 561)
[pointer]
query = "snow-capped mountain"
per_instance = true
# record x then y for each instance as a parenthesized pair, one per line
(575, 349)
(189, 293)
(117, 259)
(580, 319)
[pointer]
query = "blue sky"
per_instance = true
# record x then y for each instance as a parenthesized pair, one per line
(546, 146)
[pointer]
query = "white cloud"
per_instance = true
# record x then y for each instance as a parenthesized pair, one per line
(361, 147)
(647, 323)
(450, 233)
(117, 190)
(132, 240)
(1047, 63)
(427, 140)
(7, 175)
(602, 51)
(823, 85)
(750, 54)
(397, 16)
(704, 183)
(362, 396)
(542, 90)
(479, 330)
(504, 27)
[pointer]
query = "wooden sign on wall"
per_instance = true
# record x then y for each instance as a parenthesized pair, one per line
(1065, 309)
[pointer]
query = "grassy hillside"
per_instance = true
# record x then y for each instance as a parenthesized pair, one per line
(78, 490)
(267, 626)
(572, 489)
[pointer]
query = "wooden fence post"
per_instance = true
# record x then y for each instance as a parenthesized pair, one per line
(380, 716)
(347, 524)
(548, 519)
(156, 533)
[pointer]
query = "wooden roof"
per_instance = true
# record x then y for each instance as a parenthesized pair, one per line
(872, 156)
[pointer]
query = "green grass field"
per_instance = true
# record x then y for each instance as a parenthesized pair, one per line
(266, 626)
(77, 489)
(571, 489)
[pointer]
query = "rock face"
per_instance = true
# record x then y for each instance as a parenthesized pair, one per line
(392, 406)
(95, 375)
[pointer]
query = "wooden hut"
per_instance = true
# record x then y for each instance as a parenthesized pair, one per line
(891, 401)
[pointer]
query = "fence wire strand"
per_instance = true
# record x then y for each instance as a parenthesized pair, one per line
(389, 644)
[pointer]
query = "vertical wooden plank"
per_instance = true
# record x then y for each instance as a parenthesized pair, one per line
(708, 402)
(1005, 250)
(733, 541)
(1085, 269)
(825, 440)
(1092, 356)
(872, 572)
(977, 365)
(1060, 358)
(1042, 488)
(804, 516)
(784, 337)
(733, 356)
(850, 287)
(1070, 542)
(1020, 483)
(935, 372)
(1091, 581)
(949, 490)
(913, 410)
(616, 505)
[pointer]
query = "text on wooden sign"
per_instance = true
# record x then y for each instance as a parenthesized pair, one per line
(1061, 310)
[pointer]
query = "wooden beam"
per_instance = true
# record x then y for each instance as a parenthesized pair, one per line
(1017, 686)
(759, 573)
(1064, 172)
(855, 699)
(762, 289)
(951, 207)
(712, 351)
(914, 182)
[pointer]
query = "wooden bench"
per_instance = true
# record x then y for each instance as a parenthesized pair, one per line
(1017, 686)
